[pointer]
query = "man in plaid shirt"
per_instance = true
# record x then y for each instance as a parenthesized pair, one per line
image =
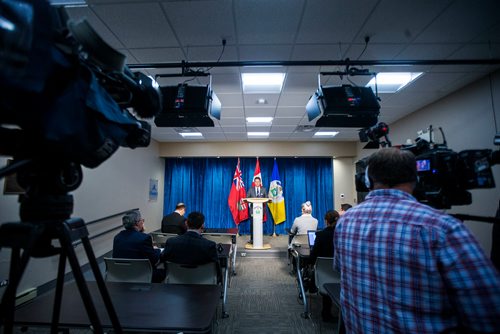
(408, 268)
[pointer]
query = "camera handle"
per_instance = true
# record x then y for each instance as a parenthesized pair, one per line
(463, 217)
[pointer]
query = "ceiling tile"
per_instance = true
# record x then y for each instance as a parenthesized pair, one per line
(290, 111)
(129, 23)
(78, 13)
(251, 100)
(265, 52)
(232, 112)
(282, 121)
(267, 22)
(158, 55)
(230, 100)
(461, 22)
(201, 22)
(331, 21)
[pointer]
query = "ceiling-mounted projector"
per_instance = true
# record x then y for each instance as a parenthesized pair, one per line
(188, 106)
(343, 107)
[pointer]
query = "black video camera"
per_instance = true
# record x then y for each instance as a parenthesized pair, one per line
(64, 93)
(444, 176)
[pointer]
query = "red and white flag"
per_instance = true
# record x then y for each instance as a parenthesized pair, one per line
(256, 174)
(238, 208)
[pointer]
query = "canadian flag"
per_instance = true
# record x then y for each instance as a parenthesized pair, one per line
(256, 174)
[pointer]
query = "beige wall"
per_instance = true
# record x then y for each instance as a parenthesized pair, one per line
(343, 182)
(120, 183)
(260, 149)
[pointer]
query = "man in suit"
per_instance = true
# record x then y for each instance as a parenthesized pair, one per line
(175, 222)
(257, 191)
(133, 243)
(323, 247)
(191, 248)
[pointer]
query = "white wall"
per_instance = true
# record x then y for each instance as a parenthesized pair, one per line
(468, 120)
(120, 183)
(343, 182)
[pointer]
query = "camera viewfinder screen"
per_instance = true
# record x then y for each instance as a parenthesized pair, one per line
(423, 165)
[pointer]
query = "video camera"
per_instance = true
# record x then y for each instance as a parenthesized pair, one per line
(444, 176)
(64, 93)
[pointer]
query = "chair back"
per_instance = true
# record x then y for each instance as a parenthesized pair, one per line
(159, 239)
(219, 238)
(191, 274)
(128, 270)
(324, 273)
(301, 239)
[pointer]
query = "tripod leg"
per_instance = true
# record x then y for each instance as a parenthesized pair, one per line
(102, 286)
(9, 297)
(67, 246)
(18, 264)
(58, 296)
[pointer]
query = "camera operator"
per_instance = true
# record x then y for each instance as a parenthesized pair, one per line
(409, 268)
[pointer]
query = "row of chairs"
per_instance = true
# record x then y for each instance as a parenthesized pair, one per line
(140, 271)
(159, 238)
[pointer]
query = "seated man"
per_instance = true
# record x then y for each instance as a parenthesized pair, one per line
(191, 248)
(175, 222)
(303, 223)
(343, 208)
(133, 243)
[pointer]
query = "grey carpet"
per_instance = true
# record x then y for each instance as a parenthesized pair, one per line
(263, 298)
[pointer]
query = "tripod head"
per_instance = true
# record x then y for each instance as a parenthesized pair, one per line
(46, 200)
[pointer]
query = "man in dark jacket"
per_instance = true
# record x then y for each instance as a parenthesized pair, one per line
(175, 222)
(323, 247)
(133, 243)
(191, 248)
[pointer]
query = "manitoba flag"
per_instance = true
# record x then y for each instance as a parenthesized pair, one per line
(237, 206)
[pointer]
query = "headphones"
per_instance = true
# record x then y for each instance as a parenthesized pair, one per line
(368, 182)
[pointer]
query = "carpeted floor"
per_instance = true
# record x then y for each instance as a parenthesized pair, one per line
(263, 296)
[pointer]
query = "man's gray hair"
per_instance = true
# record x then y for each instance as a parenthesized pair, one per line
(307, 207)
(130, 219)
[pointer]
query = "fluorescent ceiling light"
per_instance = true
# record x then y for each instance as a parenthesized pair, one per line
(326, 134)
(391, 82)
(260, 120)
(194, 135)
(262, 82)
(258, 134)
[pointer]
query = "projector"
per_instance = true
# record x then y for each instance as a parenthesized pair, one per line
(188, 106)
(344, 107)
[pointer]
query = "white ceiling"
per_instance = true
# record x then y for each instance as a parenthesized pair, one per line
(301, 30)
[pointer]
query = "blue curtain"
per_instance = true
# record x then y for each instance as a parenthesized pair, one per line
(204, 185)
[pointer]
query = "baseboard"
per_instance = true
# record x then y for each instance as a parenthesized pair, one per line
(69, 276)
(26, 296)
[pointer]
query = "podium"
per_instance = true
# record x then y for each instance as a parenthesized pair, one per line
(257, 211)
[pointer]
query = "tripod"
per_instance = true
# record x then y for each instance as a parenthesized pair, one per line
(45, 211)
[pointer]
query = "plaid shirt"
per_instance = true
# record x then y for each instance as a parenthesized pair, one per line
(408, 268)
